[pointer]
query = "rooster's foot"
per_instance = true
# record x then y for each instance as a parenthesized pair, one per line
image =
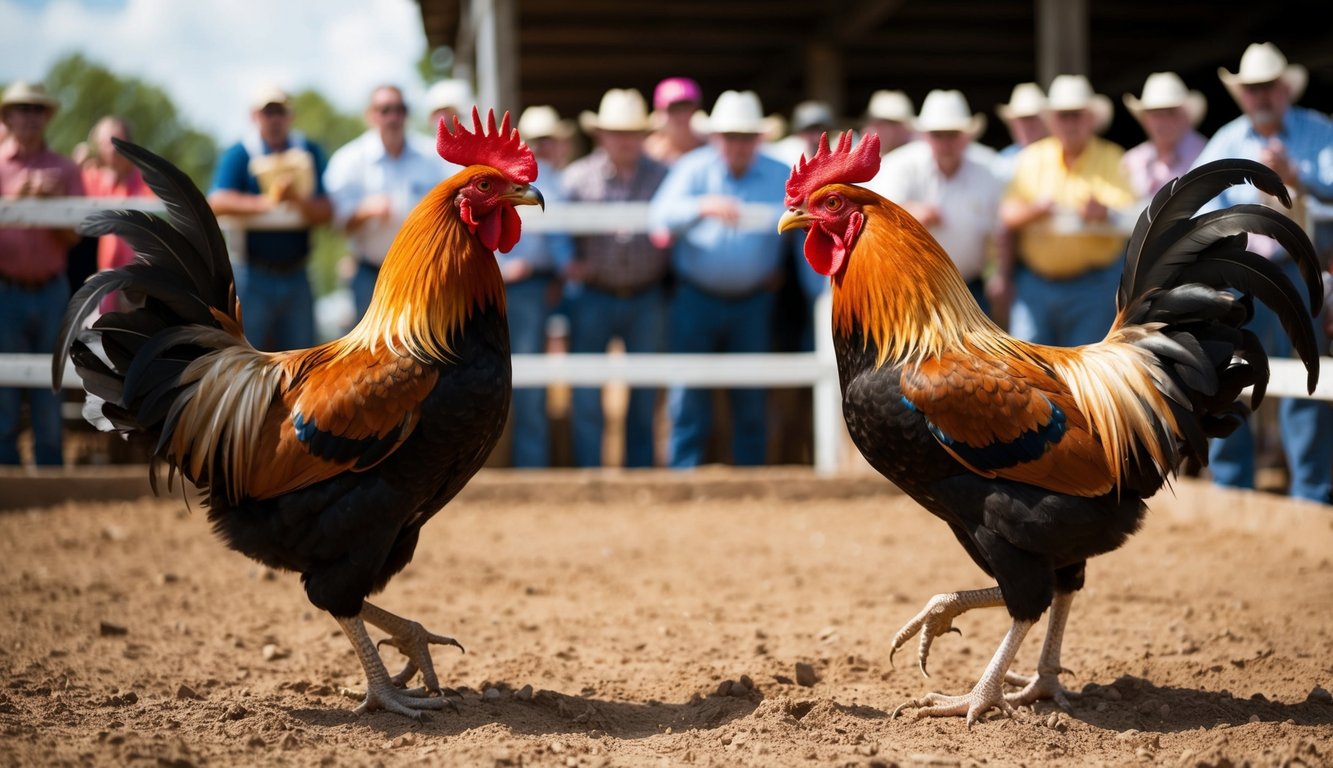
(412, 640)
(1043, 685)
(411, 703)
(971, 705)
(937, 617)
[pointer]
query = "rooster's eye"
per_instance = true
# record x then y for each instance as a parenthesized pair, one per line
(833, 203)
(484, 185)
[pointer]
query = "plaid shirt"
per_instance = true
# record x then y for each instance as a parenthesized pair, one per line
(623, 262)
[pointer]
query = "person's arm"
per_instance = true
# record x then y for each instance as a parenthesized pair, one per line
(229, 195)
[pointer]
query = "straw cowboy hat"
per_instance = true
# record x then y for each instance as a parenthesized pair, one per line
(1070, 93)
(1026, 100)
(890, 105)
(22, 92)
(622, 109)
(948, 111)
(1165, 90)
(1264, 63)
(737, 112)
(450, 94)
(543, 122)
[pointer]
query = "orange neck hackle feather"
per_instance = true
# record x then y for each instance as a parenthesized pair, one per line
(435, 276)
(901, 289)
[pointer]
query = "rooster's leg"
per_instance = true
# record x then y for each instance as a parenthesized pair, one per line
(381, 693)
(937, 618)
(413, 641)
(1046, 683)
(987, 693)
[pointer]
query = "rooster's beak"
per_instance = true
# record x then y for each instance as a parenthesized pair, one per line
(527, 195)
(794, 218)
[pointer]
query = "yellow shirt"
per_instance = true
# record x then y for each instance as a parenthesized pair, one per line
(1060, 246)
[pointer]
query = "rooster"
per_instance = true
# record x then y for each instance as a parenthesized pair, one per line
(1041, 457)
(324, 461)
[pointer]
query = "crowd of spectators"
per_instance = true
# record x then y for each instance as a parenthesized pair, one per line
(1036, 228)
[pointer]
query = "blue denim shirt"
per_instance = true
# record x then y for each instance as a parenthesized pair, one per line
(707, 252)
(1307, 136)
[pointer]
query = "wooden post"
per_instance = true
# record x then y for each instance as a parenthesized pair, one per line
(1062, 39)
(496, 25)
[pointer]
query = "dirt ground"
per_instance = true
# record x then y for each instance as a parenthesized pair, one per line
(659, 619)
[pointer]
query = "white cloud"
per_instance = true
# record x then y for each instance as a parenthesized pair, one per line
(210, 55)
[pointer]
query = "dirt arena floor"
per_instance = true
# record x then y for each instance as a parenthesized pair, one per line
(661, 620)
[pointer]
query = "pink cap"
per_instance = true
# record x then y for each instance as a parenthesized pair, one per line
(676, 89)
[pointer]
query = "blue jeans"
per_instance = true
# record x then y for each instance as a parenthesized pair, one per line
(1064, 313)
(527, 310)
(363, 286)
(29, 324)
(700, 322)
(1306, 426)
(640, 322)
(278, 308)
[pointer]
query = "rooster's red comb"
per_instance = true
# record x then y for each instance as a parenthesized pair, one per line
(499, 148)
(842, 165)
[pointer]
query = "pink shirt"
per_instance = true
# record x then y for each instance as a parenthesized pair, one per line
(112, 251)
(1148, 170)
(26, 254)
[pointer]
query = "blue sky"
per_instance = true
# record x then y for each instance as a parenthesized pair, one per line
(210, 55)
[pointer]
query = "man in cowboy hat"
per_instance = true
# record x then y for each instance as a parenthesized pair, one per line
(1170, 114)
(273, 166)
(617, 282)
(728, 275)
(1066, 203)
(1294, 142)
(889, 115)
(33, 286)
(1022, 116)
(954, 195)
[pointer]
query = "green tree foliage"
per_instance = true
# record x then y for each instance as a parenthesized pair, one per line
(88, 92)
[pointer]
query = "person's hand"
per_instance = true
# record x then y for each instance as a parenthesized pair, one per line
(515, 270)
(1000, 293)
(926, 213)
(40, 183)
(1274, 155)
(721, 207)
(375, 207)
(1094, 212)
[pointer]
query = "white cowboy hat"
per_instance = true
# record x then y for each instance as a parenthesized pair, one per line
(22, 92)
(948, 111)
(1071, 93)
(1264, 63)
(269, 93)
(541, 122)
(890, 105)
(809, 115)
(1026, 100)
(1165, 90)
(450, 94)
(620, 110)
(737, 112)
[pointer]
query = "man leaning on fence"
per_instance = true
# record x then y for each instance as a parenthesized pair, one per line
(727, 272)
(33, 287)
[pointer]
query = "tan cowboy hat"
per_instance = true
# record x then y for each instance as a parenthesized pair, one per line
(269, 94)
(890, 105)
(1026, 100)
(948, 111)
(622, 109)
(23, 92)
(1071, 93)
(1264, 63)
(737, 112)
(543, 122)
(1165, 90)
